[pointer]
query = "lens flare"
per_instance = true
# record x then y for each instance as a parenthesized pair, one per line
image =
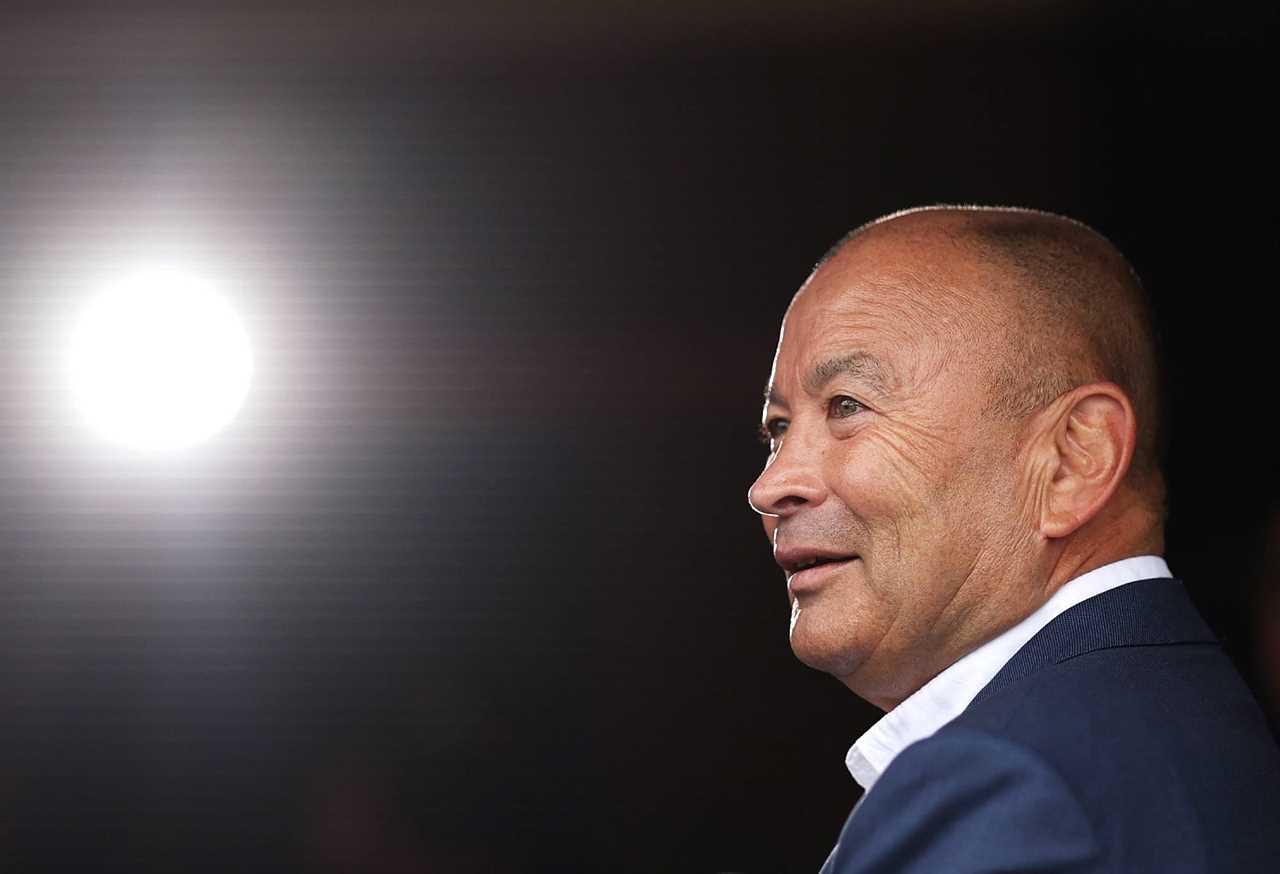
(159, 361)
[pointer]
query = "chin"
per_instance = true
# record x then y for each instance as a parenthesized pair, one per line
(823, 647)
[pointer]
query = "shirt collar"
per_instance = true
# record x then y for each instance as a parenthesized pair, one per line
(946, 696)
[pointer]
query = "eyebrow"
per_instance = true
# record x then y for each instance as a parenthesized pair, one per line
(860, 365)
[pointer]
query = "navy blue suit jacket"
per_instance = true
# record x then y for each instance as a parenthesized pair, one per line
(1119, 739)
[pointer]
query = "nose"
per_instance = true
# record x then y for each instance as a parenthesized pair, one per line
(790, 480)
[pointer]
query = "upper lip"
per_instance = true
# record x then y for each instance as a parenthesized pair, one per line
(794, 558)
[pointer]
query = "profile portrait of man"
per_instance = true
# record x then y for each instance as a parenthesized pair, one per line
(964, 493)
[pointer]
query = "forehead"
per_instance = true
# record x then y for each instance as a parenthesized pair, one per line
(835, 307)
(877, 304)
(915, 310)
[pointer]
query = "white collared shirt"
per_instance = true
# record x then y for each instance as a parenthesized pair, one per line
(946, 696)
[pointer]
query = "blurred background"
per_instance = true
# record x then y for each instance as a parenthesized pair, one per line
(470, 583)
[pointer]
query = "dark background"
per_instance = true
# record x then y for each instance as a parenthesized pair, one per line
(471, 584)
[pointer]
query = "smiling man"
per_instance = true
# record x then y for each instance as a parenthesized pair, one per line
(963, 491)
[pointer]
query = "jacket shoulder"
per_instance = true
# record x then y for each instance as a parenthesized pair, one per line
(967, 801)
(1163, 745)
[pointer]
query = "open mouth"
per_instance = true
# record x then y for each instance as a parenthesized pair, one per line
(814, 570)
(814, 562)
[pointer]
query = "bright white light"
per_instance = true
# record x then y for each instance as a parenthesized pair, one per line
(159, 361)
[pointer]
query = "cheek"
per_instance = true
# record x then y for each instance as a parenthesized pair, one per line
(881, 476)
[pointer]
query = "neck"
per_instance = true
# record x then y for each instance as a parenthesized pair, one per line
(1130, 530)
(1118, 533)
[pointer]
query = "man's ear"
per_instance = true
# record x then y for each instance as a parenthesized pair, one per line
(1083, 452)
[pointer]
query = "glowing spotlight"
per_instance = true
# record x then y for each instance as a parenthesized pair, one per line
(159, 361)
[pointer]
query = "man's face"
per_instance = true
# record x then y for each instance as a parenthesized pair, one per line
(883, 468)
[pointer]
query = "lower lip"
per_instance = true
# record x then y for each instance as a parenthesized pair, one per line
(811, 578)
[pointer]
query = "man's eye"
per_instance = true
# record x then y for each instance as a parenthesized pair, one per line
(843, 406)
(772, 431)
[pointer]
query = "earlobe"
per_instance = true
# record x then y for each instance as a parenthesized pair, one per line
(1091, 445)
